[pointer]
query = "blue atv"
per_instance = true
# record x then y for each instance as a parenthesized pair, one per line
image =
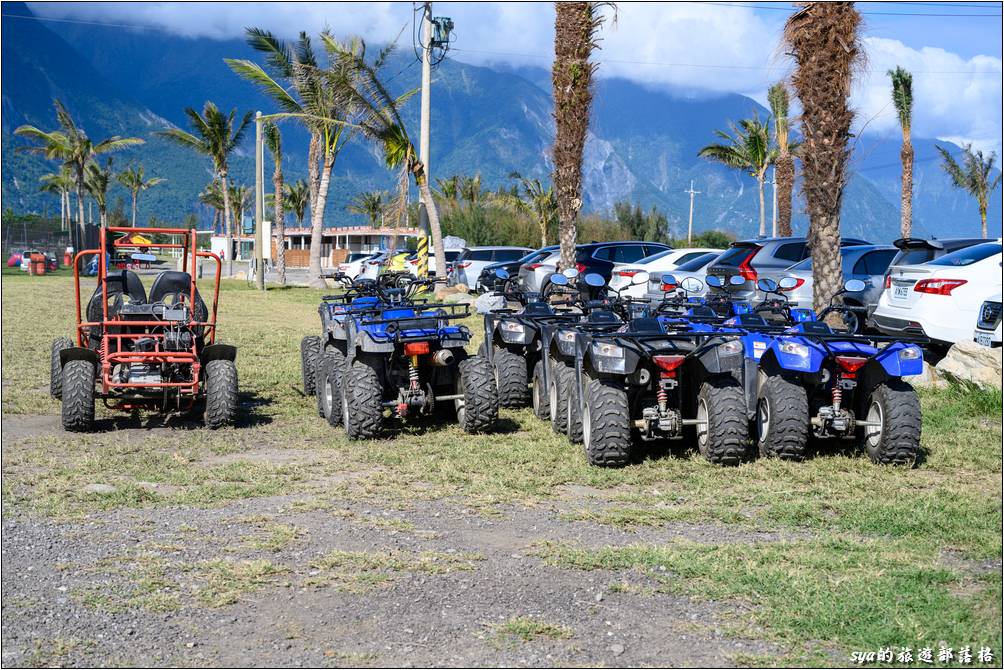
(403, 358)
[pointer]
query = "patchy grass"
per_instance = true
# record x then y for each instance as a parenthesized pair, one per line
(857, 594)
(226, 581)
(527, 629)
(361, 570)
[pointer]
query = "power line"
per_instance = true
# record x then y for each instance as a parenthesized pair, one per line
(791, 9)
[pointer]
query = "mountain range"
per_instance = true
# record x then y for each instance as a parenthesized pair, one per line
(491, 121)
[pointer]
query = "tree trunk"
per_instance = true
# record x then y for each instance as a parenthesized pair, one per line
(543, 232)
(827, 270)
(437, 233)
(313, 170)
(228, 252)
(983, 218)
(317, 223)
(785, 177)
(906, 198)
(280, 223)
(82, 235)
(763, 214)
(135, 197)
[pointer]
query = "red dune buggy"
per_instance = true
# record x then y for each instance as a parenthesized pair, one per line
(134, 350)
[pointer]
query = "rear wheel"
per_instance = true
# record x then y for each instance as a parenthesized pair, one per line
(479, 407)
(510, 376)
(723, 431)
(558, 392)
(362, 407)
(782, 418)
(329, 382)
(573, 418)
(541, 400)
(56, 367)
(221, 394)
(310, 347)
(78, 395)
(606, 424)
(896, 441)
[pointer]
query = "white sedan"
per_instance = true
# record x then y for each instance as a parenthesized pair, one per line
(664, 261)
(355, 264)
(942, 298)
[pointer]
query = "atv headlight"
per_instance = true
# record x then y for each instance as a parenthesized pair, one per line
(910, 353)
(566, 342)
(608, 357)
(513, 332)
(794, 349)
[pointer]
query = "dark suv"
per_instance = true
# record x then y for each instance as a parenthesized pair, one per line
(598, 257)
(745, 258)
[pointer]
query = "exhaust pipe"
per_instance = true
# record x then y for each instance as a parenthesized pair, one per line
(442, 358)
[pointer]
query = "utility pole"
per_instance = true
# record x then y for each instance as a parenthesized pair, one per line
(259, 202)
(773, 190)
(690, 222)
(423, 142)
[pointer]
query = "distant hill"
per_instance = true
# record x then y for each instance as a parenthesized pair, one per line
(642, 146)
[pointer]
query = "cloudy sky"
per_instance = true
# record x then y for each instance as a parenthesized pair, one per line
(693, 48)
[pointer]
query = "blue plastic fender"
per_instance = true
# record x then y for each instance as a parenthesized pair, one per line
(897, 366)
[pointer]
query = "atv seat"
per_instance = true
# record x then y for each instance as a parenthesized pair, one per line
(602, 316)
(172, 287)
(120, 285)
(645, 325)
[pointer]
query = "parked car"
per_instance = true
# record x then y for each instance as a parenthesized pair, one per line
(696, 268)
(411, 265)
(353, 264)
(595, 257)
(915, 250)
(747, 258)
(988, 323)
(472, 260)
(487, 279)
(865, 262)
(942, 298)
(370, 267)
(670, 259)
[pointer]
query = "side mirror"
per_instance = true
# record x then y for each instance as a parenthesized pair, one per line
(594, 280)
(737, 280)
(715, 281)
(501, 273)
(639, 278)
(766, 285)
(787, 283)
(558, 279)
(854, 285)
(571, 273)
(692, 285)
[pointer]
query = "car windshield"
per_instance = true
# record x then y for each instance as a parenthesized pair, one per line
(736, 254)
(969, 255)
(695, 264)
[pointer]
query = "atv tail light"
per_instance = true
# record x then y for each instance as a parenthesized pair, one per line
(746, 270)
(851, 364)
(938, 286)
(416, 348)
(798, 282)
(669, 363)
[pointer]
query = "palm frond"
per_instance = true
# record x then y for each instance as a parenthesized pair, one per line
(254, 73)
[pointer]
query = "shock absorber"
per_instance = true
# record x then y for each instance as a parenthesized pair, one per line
(413, 372)
(661, 397)
(838, 395)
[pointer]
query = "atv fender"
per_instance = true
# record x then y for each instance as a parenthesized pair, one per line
(78, 354)
(218, 352)
(796, 363)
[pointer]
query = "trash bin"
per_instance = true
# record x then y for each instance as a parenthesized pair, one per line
(37, 264)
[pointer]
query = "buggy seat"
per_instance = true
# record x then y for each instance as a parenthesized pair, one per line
(173, 287)
(121, 285)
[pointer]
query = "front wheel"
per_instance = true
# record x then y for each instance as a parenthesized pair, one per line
(362, 407)
(329, 382)
(479, 407)
(221, 393)
(782, 418)
(78, 395)
(559, 390)
(310, 347)
(606, 424)
(510, 377)
(722, 431)
(894, 406)
(56, 366)
(541, 400)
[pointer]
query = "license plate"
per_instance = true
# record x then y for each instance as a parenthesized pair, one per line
(983, 338)
(900, 292)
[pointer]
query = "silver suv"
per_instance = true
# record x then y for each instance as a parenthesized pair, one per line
(472, 260)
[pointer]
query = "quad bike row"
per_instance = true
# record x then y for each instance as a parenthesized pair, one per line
(136, 350)
(739, 380)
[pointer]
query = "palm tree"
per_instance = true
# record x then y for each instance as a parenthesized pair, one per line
(273, 140)
(973, 176)
(216, 136)
(320, 97)
(298, 197)
(470, 190)
(784, 164)
(74, 148)
(575, 27)
(240, 198)
(97, 180)
(529, 197)
(748, 148)
(212, 196)
(134, 180)
(902, 98)
(370, 204)
(823, 37)
(449, 191)
(62, 183)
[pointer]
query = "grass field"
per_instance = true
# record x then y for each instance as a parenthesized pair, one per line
(857, 557)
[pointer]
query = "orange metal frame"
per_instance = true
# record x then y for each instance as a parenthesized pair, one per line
(110, 352)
